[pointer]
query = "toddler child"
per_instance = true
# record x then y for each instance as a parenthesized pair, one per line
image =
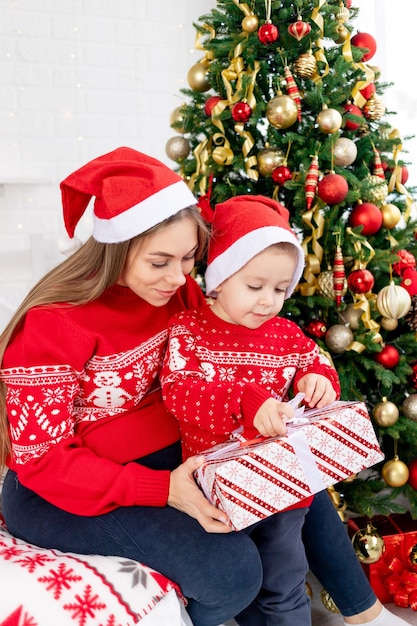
(234, 363)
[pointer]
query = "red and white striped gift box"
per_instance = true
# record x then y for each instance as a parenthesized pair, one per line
(253, 479)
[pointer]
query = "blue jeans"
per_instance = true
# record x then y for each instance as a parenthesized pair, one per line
(219, 574)
(332, 558)
(282, 600)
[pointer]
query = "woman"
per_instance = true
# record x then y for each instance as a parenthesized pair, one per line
(94, 457)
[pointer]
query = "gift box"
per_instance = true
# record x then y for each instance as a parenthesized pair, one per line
(250, 480)
(394, 575)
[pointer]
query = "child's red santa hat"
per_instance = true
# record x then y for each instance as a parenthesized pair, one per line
(242, 227)
(133, 192)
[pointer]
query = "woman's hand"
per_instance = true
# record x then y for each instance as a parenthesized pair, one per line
(185, 496)
(318, 390)
(272, 416)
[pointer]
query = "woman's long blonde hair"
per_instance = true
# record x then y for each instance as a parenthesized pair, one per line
(80, 279)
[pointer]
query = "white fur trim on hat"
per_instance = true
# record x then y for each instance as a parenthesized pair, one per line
(144, 215)
(244, 249)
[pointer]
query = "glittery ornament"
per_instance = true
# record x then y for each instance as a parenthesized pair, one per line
(305, 65)
(368, 216)
(332, 188)
(177, 149)
(338, 337)
(299, 29)
(338, 276)
(374, 109)
(344, 152)
(292, 90)
(311, 181)
(409, 407)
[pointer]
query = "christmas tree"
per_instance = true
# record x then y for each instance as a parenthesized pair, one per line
(284, 102)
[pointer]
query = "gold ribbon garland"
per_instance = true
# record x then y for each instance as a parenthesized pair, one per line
(317, 17)
(315, 221)
(395, 179)
(362, 301)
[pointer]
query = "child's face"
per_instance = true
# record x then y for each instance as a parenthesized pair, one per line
(256, 293)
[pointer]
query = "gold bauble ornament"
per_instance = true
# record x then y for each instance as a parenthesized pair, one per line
(344, 152)
(268, 159)
(250, 23)
(409, 407)
(352, 316)
(393, 301)
(389, 323)
(325, 286)
(281, 111)
(328, 601)
(198, 77)
(177, 120)
(329, 121)
(177, 148)
(368, 545)
(374, 190)
(374, 108)
(338, 337)
(391, 215)
(342, 34)
(305, 65)
(395, 472)
(385, 413)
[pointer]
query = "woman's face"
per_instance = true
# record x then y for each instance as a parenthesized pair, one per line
(157, 265)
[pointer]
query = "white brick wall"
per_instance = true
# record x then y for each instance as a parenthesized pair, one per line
(78, 78)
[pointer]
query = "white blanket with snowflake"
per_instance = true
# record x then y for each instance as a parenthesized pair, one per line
(41, 587)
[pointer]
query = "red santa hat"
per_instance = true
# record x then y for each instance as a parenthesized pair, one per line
(132, 190)
(242, 227)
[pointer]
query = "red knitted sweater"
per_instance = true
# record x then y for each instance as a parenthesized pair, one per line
(84, 400)
(216, 374)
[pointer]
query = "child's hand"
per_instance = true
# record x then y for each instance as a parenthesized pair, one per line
(318, 390)
(272, 416)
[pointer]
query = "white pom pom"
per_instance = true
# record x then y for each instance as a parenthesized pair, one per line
(67, 246)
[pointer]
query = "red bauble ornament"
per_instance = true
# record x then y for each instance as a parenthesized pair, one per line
(364, 40)
(353, 110)
(360, 281)
(241, 112)
(368, 91)
(268, 33)
(368, 216)
(404, 174)
(413, 377)
(316, 328)
(210, 104)
(281, 174)
(348, 3)
(332, 188)
(389, 357)
(299, 29)
(412, 477)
